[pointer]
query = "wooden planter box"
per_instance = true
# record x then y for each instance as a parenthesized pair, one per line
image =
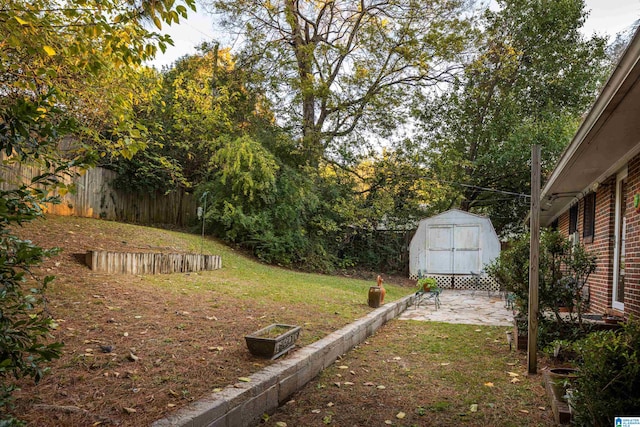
(560, 408)
(273, 341)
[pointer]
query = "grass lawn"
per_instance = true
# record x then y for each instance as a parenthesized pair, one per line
(423, 374)
(176, 338)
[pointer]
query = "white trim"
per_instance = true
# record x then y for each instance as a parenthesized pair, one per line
(617, 241)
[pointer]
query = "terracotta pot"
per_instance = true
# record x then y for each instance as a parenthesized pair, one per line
(375, 296)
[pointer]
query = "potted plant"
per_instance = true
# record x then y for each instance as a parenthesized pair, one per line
(425, 284)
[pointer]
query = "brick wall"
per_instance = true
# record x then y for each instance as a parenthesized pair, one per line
(603, 244)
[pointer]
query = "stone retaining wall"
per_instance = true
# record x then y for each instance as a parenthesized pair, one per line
(243, 404)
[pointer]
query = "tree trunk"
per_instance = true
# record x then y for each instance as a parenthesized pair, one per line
(303, 48)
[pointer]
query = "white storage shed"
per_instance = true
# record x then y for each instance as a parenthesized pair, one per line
(454, 245)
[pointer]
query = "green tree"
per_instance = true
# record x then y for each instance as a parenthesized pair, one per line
(339, 69)
(533, 77)
(265, 205)
(73, 64)
(187, 109)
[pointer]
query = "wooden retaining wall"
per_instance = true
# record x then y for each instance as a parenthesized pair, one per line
(94, 197)
(150, 263)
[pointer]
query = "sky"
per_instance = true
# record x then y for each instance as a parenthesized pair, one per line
(607, 17)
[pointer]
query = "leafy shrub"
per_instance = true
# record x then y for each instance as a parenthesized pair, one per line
(563, 273)
(609, 380)
(24, 323)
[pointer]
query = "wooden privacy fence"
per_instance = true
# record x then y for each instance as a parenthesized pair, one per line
(150, 263)
(94, 197)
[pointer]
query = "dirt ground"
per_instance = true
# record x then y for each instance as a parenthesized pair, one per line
(133, 351)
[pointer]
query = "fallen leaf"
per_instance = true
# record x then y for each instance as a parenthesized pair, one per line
(330, 404)
(244, 379)
(474, 407)
(542, 408)
(513, 374)
(478, 330)
(515, 380)
(130, 410)
(137, 317)
(281, 424)
(388, 422)
(348, 383)
(173, 393)
(397, 358)
(400, 415)
(489, 384)
(512, 364)
(171, 405)
(343, 367)
(524, 411)
(381, 387)
(315, 411)
(133, 357)
(445, 364)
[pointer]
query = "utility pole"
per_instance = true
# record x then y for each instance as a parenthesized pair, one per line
(534, 258)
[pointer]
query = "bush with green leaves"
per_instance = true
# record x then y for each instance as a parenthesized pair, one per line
(25, 325)
(608, 384)
(564, 269)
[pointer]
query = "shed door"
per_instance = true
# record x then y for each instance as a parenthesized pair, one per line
(453, 249)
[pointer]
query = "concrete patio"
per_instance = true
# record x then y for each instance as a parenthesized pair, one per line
(463, 306)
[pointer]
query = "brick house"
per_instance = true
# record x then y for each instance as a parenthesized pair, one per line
(593, 194)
